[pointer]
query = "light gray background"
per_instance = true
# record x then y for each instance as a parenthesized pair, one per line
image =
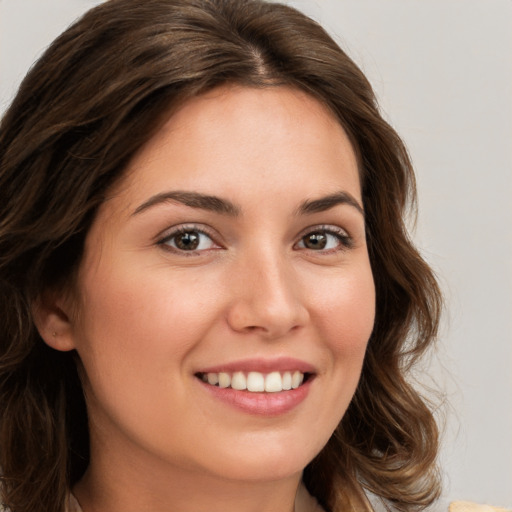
(442, 70)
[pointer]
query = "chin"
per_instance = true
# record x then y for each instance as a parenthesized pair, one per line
(270, 469)
(269, 460)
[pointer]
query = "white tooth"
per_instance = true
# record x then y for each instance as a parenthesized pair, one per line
(273, 382)
(224, 380)
(238, 381)
(255, 382)
(297, 379)
(287, 381)
(204, 378)
(213, 378)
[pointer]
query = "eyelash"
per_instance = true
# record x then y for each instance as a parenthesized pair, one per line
(345, 241)
(182, 230)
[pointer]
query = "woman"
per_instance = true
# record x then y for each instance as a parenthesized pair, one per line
(208, 295)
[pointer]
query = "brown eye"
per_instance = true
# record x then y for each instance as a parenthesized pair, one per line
(315, 241)
(189, 240)
(326, 240)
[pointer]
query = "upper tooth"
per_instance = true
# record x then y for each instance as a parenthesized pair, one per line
(273, 382)
(297, 379)
(238, 381)
(287, 380)
(213, 378)
(255, 382)
(224, 380)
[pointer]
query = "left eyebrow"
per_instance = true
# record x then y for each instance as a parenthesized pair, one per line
(326, 203)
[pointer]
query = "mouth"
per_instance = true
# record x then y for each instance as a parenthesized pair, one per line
(256, 382)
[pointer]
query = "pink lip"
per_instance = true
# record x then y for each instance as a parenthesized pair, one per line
(281, 364)
(261, 404)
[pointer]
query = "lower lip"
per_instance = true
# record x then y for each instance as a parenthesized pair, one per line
(262, 404)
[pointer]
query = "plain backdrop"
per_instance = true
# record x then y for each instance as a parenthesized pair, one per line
(442, 70)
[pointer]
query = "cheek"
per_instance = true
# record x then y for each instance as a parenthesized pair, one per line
(344, 316)
(145, 310)
(133, 338)
(138, 331)
(345, 310)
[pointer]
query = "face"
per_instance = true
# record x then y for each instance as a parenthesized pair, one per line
(226, 295)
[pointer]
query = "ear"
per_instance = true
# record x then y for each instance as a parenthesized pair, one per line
(53, 319)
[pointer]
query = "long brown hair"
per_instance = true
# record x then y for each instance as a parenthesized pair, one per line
(94, 98)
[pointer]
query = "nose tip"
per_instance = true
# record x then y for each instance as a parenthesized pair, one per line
(270, 323)
(269, 303)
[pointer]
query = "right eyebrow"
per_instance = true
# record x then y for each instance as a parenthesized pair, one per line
(325, 203)
(193, 200)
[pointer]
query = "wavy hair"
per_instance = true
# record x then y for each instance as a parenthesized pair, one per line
(96, 96)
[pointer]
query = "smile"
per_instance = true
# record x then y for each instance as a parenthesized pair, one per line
(256, 382)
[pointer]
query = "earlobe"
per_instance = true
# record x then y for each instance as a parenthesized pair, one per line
(54, 324)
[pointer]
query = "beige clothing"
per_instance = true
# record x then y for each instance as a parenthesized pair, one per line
(468, 506)
(304, 502)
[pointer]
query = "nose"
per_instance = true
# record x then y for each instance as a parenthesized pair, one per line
(267, 298)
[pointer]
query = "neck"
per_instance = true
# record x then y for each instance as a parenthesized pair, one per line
(114, 484)
(186, 495)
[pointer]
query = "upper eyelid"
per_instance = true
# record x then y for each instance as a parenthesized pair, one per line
(325, 227)
(170, 233)
(345, 238)
(180, 228)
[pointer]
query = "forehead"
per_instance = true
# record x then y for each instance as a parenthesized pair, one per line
(232, 116)
(241, 142)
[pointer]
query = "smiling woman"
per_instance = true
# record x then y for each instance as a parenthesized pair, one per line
(231, 294)
(208, 297)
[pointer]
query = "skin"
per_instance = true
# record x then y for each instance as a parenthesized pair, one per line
(150, 316)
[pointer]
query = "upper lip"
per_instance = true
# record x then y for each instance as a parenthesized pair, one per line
(281, 364)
